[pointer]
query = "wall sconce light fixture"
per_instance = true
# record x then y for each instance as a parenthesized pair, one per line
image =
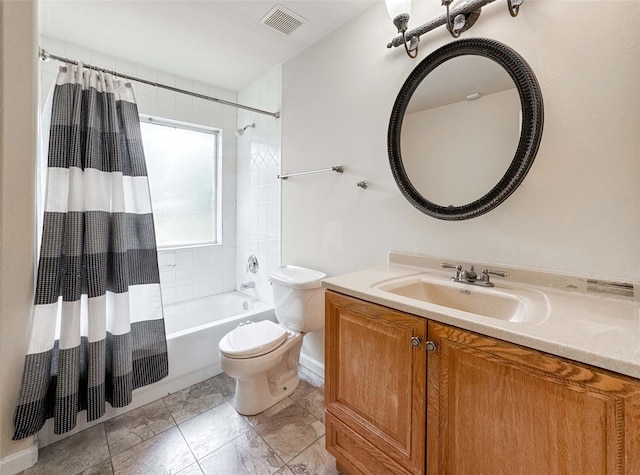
(457, 19)
(399, 13)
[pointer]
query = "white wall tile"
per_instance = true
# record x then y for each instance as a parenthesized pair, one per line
(166, 108)
(200, 289)
(201, 274)
(147, 105)
(106, 62)
(184, 259)
(148, 74)
(187, 85)
(183, 112)
(126, 67)
(146, 90)
(78, 53)
(184, 292)
(184, 277)
(168, 295)
(168, 278)
(200, 116)
(258, 187)
(216, 119)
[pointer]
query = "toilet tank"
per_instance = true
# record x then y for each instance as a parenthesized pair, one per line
(298, 298)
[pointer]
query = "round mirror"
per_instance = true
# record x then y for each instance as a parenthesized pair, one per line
(465, 129)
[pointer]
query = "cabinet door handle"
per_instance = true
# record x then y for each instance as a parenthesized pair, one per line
(431, 345)
(415, 341)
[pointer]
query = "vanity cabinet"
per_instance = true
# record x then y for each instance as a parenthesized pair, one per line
(494, 407)
(488, 406)
(375, 387)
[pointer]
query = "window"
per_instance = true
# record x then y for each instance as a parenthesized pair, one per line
(183, 168)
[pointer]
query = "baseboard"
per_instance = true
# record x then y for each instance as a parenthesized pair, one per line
(312, 365)
(20, 461)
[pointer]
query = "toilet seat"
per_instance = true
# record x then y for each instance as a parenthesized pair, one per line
(254, 339)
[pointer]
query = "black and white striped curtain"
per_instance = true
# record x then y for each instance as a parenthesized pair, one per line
(97, 328)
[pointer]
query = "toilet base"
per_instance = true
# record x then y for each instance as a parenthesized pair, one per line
(265, 380)
(251, 398)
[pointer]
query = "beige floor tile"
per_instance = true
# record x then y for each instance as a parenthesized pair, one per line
(284, 471)
(200, 397)
(146, 440)
(309, 381)
(314, 460)
(74, 454)
(193, 469)
(213, 429)
(314, 403)
(269, 413)
(127, 430)
(165, 453)
(290, 431)
(103, 468)
(246, 454)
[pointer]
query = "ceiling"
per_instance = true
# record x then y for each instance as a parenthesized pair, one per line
(216, 42)
(457, 78)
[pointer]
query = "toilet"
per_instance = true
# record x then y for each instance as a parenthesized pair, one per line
(263, 356)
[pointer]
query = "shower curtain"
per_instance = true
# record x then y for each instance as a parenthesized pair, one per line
(97, 325)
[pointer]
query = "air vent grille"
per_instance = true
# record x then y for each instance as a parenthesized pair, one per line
(282, 20)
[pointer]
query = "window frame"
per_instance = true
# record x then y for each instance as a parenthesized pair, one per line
(217, 133)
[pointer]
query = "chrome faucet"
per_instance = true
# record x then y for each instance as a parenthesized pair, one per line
(247, 285)
(471, 277)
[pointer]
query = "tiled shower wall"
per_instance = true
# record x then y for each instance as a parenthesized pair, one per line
(194, 272)
(258, 217)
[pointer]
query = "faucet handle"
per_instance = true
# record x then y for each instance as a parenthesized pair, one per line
(457, 267)
(499, 273)
(444, 265)
(484, 279)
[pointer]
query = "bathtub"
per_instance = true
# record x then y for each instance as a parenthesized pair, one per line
(194, 329)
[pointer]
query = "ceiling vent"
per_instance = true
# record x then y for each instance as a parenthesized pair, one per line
(282, 20)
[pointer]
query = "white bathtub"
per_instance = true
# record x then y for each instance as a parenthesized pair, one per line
(194, 329)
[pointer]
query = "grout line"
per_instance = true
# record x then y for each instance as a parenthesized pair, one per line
(141, 441)
(274, 450)
(190, 450)
(106, 438)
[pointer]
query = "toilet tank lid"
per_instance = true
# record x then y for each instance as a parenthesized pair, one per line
(297, 277)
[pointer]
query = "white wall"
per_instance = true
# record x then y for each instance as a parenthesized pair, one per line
(18, 131)
(185, 273)
(578, 210)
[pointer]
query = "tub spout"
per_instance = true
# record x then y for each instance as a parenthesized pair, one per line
(247, 285)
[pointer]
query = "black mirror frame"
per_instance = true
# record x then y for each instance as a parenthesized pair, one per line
(530, 136)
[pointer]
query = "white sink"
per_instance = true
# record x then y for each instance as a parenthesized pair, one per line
(502, 304)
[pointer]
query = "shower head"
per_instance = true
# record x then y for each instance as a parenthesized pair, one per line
(240, 132)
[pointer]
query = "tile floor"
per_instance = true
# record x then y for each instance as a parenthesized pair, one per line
(197, 431)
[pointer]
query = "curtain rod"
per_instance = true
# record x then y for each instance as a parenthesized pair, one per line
(45, 55)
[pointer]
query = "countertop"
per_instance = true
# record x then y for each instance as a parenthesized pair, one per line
(593, 328)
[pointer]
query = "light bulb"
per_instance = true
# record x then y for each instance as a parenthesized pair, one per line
(398, 7)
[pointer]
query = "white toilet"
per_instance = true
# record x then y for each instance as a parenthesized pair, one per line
(263, 356)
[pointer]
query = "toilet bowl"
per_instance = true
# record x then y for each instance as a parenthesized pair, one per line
(263, 357)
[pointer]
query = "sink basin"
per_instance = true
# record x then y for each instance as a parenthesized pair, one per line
(488, 302)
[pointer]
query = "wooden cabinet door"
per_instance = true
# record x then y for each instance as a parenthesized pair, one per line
(497, 408)
(375, 387)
